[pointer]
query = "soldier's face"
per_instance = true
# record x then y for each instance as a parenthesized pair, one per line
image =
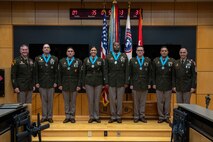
(70, 52)
(93, 52)
(183, 53)
(116, 46)
(24, 50)
(46, 49)
(164, 52)
(140, 51)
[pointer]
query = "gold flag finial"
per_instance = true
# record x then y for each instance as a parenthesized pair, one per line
(114, 1)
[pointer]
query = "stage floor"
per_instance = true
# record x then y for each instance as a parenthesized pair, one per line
(126, 131)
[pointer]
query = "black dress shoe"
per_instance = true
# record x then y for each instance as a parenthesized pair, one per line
(72, 120)
(143, 120)
(50, 120)
(167, 120)
(112, 120)
(90, 120)
(43, 120)
(160, 121)
(98, 120)
(66, 120)
(119, 120)
(136, 120)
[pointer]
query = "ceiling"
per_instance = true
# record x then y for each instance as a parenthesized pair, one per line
(117, 0)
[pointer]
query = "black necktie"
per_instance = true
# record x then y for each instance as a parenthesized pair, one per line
(182, 62)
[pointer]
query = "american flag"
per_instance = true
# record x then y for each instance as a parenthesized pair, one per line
(104, 42)
(104, 52)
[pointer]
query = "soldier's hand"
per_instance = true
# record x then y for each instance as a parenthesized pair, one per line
(149, 86)
(54, 85)
(192, 90)
(60, 87)
(33, 88)
(37, 85)
(17, 90)
(78, 88)
(131, 86)
(84, 87)
(125, 85)
(174, 89)
(154, 86)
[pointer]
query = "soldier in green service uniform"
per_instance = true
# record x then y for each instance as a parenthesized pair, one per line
(185, 77)
(163, 82)
(22, 76)
(46, 66)
(140, 82)
(69, 81)
(93, 80)
(117, 79)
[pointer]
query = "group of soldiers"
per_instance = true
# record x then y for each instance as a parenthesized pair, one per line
(115, 73)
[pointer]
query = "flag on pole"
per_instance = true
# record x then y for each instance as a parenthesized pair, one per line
(104, 43)
(114, 25)
(128, 36)
(140, 29)
(104, 52)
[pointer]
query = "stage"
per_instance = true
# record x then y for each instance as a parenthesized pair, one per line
(128, 131)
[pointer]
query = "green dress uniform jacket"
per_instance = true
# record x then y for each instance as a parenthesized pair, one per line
(185, 75)
(140, 79)
(163, 78)
(46, 75)
(22, 74)
(93, 75)
(69, 77)
(117, 74)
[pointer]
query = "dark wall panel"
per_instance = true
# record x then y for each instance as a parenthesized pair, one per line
(182, 36)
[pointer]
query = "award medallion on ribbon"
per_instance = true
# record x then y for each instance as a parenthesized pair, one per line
(116, 56)
(93, 61)
(69, 62)
(46, 59)
(140, 62)
(163, 62)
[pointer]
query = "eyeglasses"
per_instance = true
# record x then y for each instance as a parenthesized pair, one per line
(139, 50)
(70, 51)
(46, 47)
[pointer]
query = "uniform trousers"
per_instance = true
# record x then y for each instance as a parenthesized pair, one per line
(47, 102)
(115, 100)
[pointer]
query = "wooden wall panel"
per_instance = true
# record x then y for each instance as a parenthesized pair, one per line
(185, 13)
(79, 104)
(162, 13)
(5, 57)
(204, 37)
(56, 104)
(204, 60)
(201, 100)
(205, 13)
(46, 13)
(6, 33)
(5, 12)
(84, 102)
(38, 104)
(147, 12)
(204, 85)
(64, 15)
(23, 13)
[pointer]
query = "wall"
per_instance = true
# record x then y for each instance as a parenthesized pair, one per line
(155, 14)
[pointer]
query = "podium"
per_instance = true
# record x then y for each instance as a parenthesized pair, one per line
(192, 121)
